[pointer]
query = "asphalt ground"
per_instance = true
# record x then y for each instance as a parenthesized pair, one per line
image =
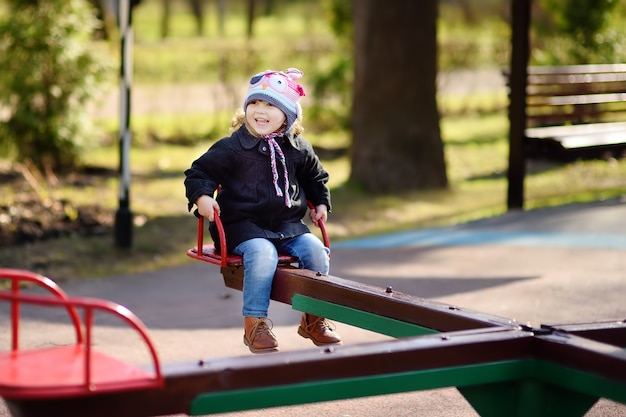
(556, 265)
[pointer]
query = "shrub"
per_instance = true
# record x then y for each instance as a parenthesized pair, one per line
(48, 72)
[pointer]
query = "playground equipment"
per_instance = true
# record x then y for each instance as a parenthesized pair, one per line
(501, 368)
(211, 255)
(68, 370)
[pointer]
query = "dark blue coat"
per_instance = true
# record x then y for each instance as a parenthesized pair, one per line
(249, 205)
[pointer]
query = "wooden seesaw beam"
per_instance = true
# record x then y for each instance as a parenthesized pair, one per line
(373, 308)
(319, 374)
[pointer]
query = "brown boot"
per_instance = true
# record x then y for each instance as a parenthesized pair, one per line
(319, 330)
(258, 335)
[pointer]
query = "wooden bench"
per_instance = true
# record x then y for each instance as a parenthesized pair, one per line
(575, 111)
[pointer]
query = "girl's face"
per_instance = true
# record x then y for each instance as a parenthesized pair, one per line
(264, 118)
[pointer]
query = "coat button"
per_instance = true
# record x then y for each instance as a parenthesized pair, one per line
(264, 149)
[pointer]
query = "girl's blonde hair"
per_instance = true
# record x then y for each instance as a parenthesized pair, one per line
(239, 119)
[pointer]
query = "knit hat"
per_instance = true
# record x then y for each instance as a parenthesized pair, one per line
(280, 89)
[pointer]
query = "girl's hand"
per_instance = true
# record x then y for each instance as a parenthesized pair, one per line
(207, 206)
(320, 212)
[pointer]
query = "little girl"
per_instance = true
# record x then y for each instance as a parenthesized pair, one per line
(266, 173)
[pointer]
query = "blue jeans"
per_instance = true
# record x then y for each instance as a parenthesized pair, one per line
(260, 259)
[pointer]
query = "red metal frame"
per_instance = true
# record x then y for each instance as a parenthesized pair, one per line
(211, 255)
(71, 370)
(19, 276)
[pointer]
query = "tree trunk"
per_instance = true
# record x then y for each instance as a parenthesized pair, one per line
(396, 138)
(165, 19)
(198, 14)
(221, 17)
(250, 21)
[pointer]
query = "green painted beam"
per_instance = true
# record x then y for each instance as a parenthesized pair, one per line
(315, 391)
(364, 320)
(521, 388)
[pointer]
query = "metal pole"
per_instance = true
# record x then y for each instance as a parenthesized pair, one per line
(520, 22)
(124, 216)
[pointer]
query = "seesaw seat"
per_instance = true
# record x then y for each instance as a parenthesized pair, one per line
(211, 255)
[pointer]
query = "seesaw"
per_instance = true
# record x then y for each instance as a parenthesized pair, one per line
(499, 366)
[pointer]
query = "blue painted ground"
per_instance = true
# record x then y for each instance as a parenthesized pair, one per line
(451, 237)
(595, 225)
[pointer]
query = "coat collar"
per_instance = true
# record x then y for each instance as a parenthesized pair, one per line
(248, 141)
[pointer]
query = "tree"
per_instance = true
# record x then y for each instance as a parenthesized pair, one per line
(396, 138)
(48, 72)
(197, 10)
(332, 82)
(106, 12)
(576, 32)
